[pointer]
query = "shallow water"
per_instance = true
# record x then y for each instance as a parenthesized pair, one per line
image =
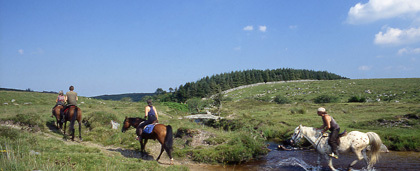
(303, 160)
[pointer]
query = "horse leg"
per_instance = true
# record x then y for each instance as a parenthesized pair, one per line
(80, 130)
(330, 164)
(359, 157)
(368, 165)
(161, 151)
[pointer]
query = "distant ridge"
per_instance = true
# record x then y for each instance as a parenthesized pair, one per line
(135, 97)
(27, 90)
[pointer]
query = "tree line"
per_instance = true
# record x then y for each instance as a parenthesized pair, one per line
(214, 84)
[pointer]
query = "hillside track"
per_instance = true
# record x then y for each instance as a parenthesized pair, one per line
(153, 148)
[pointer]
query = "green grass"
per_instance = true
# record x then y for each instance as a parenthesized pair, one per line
(252, 117)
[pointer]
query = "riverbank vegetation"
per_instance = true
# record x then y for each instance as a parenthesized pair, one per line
(251, 116)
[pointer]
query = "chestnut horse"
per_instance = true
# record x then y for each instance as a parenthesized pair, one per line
(160, 132)
(72, 114)
(56, 112)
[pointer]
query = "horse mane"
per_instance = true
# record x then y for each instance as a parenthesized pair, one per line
(135, 121)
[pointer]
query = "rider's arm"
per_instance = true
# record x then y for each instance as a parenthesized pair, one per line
(157, 117)
(146, 111)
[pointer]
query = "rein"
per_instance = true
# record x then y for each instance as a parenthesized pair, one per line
(317, 141)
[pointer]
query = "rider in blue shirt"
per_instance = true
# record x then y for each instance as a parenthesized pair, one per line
(150, 114)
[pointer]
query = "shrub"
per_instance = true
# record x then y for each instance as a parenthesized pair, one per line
(263, 98)
(176, 106)
(297, 111)
(99, 119)
(195, 105)
(282, 100)
(357, 99)
(326, 99)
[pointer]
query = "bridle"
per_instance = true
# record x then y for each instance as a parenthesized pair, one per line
(297, 135)
(315, 144)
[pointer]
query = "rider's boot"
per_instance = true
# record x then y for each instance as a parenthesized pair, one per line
(139, 133)
(334, 154)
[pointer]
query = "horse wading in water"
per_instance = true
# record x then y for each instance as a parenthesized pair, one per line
(160, 132)
(72, 114)
(355, 141)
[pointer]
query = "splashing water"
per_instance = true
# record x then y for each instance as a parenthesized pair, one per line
(296, 163)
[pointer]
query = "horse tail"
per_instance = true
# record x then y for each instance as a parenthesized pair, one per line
(375, 143)
(169, 140)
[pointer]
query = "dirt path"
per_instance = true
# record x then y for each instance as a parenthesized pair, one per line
(153, 147)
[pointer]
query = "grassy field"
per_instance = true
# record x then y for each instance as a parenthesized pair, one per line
(251, 117)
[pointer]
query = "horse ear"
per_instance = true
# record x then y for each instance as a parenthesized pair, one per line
(125, 117)
(300, 126)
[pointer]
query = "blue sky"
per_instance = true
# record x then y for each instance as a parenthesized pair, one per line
(114, 47)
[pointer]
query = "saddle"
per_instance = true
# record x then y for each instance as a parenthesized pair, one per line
(68, 107)
(149, 128)
(344, 133)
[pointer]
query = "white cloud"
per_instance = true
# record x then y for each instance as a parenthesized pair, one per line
(20, 51)
(292, 27)
(396, 36)
(249, 28)
(238, 48)
(365, 68)
(404, 51)
(382, 9)
(263, 28)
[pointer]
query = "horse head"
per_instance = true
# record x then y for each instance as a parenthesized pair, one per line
(126, 124)
(297, 135)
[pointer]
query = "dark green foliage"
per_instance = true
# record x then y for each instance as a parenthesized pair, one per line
(326, 99)
(227, 125)
(281, 100)
(211, 85)
(135, 97)
(240, 148)
(357, 99)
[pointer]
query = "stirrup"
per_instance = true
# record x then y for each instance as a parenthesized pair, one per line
(333, 155)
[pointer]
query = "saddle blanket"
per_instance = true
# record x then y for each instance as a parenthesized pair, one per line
(148, 128)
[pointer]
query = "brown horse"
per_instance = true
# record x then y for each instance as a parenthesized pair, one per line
(72, 114)
(160, 132)
(56, 112)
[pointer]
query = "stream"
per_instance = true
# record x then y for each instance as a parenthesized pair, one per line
(304, 160)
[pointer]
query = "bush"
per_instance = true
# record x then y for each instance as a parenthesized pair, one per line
(297, 111)
(99, 119)
(326, 99)
(282, 100)
(195, 105)
(357, 99)
(176, 106)
(263, 98)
